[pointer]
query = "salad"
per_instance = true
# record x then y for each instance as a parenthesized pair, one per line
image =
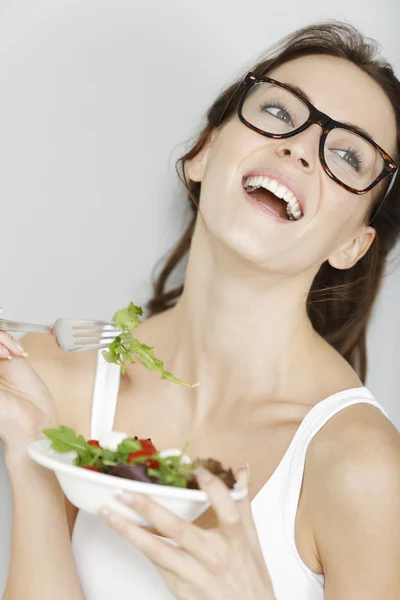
(125, 347)
(114, 453)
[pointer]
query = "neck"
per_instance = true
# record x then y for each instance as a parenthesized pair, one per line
(239, 330)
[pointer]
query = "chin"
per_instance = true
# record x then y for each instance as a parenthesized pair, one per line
(257, 237)
(248, 246)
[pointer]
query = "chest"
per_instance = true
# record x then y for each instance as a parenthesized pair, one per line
(258, 437)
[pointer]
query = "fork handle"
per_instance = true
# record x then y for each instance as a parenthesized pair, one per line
(24, 327)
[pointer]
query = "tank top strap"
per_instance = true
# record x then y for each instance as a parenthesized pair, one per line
(315, 419)
(105, 396)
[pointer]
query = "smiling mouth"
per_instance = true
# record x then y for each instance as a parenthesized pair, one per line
(274, 196)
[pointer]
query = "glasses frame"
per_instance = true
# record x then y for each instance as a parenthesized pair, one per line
(316, 117)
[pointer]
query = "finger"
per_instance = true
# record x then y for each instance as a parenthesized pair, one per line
(243, 478)
(162, 554)
(245, 510)
(225, 508)
(9, 346)
(205, 546)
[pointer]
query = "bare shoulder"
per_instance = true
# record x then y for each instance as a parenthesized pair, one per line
(69, 377)
(354, 432)
(357, 449)
(357, 436)
(352, 496)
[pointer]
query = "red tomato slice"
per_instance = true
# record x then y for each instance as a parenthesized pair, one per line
(148, 449)
(152, 464)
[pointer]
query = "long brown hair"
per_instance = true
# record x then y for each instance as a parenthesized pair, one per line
(340, 302)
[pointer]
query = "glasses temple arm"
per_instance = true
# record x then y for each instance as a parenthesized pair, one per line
(375, 212)
(235, 92)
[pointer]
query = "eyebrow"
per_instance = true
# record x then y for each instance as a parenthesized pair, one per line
(298, 89)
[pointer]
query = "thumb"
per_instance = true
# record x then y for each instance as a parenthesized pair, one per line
(243, 477)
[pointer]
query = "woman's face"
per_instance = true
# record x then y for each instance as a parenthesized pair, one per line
(333, 226)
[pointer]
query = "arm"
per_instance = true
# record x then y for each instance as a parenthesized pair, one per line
(355, 493)
(41, 560)
(69, 378)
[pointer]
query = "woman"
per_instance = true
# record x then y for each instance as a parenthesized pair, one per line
(272, 321)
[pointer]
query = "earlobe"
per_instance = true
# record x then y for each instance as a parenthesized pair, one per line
(196, 167)
(349, 255)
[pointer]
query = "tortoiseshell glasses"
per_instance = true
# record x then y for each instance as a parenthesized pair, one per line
(347, 154)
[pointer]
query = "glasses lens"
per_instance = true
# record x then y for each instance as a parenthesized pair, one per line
(353, 160)
(273, 109)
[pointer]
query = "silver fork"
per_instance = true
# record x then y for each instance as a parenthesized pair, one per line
(72, 335)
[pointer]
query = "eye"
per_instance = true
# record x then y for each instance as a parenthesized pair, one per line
(351, 156)
(279, 111)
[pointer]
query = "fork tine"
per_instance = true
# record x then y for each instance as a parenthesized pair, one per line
(96, 329)
(78, 334)
(88, 341)
(95, 334)
(88, 323)
(89, 347)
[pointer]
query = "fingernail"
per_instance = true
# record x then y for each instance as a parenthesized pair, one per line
(246, 468)
(128, 498)
(203, 475)
(109, 516)
(4, 352)
(20, 348)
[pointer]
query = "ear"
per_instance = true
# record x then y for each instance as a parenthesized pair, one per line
(351, 252)
(196, 167)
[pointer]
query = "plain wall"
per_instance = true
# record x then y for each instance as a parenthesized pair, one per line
(96, 98)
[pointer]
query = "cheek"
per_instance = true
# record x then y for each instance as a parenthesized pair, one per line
(220, 175)
(344, 209)
(341, 213)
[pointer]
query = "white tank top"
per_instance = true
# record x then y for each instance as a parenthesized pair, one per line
(110, 567)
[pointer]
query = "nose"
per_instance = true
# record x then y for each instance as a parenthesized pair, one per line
(302, 148)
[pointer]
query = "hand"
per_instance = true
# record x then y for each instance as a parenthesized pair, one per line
(226, 562)
(26, 405)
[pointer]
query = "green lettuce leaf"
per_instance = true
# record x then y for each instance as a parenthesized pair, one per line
(65, 440)
(125, 347)
(171, 471)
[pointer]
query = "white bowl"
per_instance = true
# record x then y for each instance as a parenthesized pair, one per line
(89, 491)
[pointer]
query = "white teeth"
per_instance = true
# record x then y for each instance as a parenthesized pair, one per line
(294, 205)
(289, 212)
(293, 213)
(288, 195)
(280, 191)
(272, 185)
(293, 208)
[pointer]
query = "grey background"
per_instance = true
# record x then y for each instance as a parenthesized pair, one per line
(96, 98)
